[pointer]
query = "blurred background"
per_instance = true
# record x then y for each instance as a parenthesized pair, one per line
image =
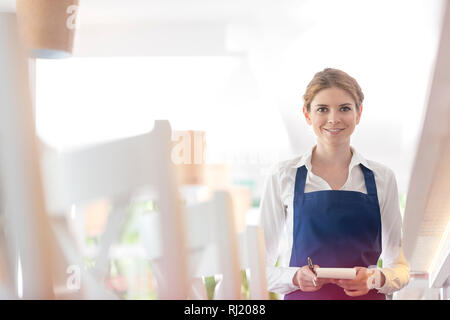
(235, 71)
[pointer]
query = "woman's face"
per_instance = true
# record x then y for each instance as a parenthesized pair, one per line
(333, 116)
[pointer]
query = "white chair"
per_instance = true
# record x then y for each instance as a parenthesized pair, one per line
(117, 170)
(215, 249)
(253, 258)
(22, 209)
(250, 244)
(210, 231)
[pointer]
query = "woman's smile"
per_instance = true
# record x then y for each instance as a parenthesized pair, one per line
(333, 131)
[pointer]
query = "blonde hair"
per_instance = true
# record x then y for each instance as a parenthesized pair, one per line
(329, 78)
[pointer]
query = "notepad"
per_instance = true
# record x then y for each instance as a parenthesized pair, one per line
(336, 273)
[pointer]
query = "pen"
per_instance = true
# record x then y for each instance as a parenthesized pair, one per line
(311, 267)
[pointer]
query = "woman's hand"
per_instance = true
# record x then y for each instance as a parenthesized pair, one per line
(303, 278)
(358, 286)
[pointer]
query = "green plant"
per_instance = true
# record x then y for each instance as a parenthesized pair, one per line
(402, 200)
(245, 290)
(210, 284)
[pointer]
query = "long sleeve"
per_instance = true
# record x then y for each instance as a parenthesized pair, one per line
(395, 267)
(273, 221)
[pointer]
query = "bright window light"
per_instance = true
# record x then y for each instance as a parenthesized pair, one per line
(82, 101)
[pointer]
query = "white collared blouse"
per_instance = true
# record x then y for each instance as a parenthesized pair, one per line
(276, 211)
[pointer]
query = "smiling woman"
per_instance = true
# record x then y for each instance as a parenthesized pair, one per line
(333, 206)
(333, 105)
(334, 115)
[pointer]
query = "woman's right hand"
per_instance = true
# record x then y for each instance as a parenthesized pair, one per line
(303, 279)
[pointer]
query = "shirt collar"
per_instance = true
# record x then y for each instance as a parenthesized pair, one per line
(357, 158)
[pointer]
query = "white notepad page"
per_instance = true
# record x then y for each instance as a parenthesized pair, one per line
(336, 273)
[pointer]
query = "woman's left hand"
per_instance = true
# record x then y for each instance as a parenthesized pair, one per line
(356, 287)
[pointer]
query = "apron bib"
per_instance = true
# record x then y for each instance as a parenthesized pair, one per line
(337, 229)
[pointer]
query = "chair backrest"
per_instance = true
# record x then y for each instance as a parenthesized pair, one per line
(211, 226)
(253, 258)
(111, 169)
(212, 242)
(116, 170)
(215, 248)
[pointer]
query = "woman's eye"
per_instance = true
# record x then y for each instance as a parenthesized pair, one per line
(325, 109)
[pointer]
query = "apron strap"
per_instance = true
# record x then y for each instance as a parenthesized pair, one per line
(370, 181)
(300, 181)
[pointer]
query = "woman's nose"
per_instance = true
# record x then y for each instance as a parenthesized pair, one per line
(333, 117)
(334, 121)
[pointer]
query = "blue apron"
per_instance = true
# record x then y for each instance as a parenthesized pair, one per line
(337, 229)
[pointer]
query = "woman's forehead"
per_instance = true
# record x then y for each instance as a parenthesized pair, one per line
(333, 96)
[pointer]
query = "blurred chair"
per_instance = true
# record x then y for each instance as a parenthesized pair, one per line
(213, 243)
(215, 249)
(23, 219)
(253, 258)
(117, 170)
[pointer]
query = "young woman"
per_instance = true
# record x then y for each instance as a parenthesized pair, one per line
(333, 205)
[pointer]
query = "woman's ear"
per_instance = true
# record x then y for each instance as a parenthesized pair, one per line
(358, 116)
(307, 117)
